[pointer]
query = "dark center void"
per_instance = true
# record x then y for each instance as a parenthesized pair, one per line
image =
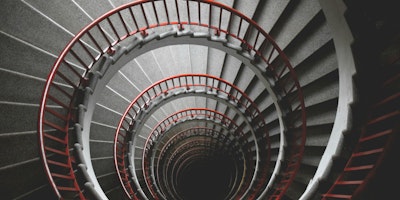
(206, 179)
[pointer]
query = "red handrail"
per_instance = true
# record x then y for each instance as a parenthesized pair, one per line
(195, 131)
(188, 150)
(203, 81)
(375, 139)
(179, 116)
(205, 143)
(71, 68)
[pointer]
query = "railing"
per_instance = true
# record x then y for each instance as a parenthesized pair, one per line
(185, 154)
(162, 127)
(72, 67)
(376, 138)
(198, 131)
(201, 131)
(173, 85)
(188, 151)
(184, 151)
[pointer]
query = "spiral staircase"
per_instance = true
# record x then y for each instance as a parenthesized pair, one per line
(176, 99)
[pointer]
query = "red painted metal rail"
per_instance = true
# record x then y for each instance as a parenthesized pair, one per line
(70, 71)
(162, 88)
(197, 131)
(375, 139)
(184, 149)
(175, 118)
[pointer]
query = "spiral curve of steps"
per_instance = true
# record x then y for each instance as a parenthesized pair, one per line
(174, 99)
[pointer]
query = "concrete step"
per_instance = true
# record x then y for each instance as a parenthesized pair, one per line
(25, 58)
(33, 27)
(22, 183)
(12, 123)
(68, 15)
(20, 147)
(104, 165)
(295, 16)
(300, 30)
